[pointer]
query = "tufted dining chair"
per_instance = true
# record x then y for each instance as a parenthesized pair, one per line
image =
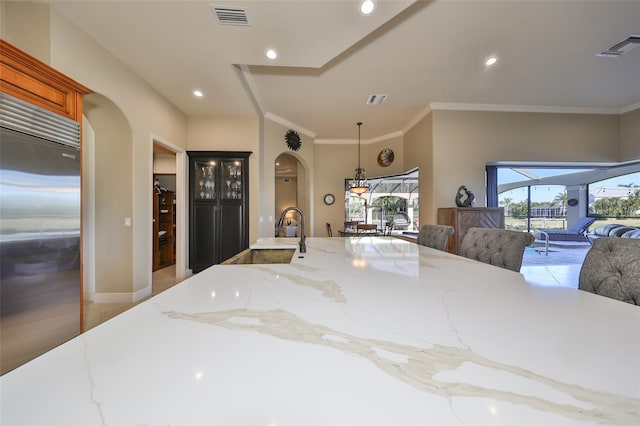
(612, 269)
(498, 247)
(434, 236)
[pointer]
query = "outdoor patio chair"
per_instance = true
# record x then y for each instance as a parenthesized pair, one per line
(401, 221)
(635, 233)
(576, 233)
(498, 247)
(612, 269)
(435, 236)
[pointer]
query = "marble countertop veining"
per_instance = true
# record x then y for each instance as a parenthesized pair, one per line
(363, 330)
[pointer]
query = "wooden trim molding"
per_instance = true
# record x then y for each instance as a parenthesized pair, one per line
(33, 81)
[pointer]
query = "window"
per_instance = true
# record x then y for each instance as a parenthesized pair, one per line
(616, 197)
(538, 197)
(388, 196)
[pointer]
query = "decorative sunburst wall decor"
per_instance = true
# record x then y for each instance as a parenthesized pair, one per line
(292, 138)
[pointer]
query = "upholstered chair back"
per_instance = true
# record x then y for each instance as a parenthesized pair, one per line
(612, 269)
(498, 247)
(434, 236)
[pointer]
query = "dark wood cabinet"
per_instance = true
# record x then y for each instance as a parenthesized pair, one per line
(463, 218)
(163, 229)
(219, 206)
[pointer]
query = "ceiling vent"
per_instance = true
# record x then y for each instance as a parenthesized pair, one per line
(621, 48)
(376, 99)
(228, 15)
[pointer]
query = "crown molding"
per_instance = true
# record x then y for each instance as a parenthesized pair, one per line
(630, 108)
(397, 134)
(447, 106)
(289, 124)
(422, 114)
(388, 136)
(442, 106)
(336, 141)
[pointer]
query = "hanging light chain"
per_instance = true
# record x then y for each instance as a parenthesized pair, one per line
(359, 183)
(359, 126)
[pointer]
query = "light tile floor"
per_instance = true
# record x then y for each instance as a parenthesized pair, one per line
(97, 313)
(561, 267)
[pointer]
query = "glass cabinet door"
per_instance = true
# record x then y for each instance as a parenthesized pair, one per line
(231, 180)
(204, 182)
(218, 206)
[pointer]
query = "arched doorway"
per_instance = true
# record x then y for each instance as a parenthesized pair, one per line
(107, 202)
(290, 183)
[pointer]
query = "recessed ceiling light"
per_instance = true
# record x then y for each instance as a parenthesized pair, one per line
(271, 54)
(367, 7)
(197, 93)
(492, 60)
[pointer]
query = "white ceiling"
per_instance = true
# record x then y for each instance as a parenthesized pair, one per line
(422, 54)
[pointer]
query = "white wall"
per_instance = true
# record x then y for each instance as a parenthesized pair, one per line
(464, 141)
(78, 56)
(164, 164)
(69, 50)
(27, 25)
(630, 136)
(418, 152)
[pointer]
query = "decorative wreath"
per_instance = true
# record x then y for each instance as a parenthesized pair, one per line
(292, 138)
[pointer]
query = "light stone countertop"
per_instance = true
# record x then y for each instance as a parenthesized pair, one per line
(357, 331)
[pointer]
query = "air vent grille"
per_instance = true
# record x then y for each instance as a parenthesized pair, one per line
(24, 117)
(622, 47)
(228, 15)
(376, 99)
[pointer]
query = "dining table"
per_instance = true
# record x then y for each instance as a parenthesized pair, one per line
(369, 233)
(363, 330)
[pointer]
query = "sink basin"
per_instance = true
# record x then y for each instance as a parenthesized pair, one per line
(261, 256)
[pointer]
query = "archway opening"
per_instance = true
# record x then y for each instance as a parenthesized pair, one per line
(290, 183)
(107, 200)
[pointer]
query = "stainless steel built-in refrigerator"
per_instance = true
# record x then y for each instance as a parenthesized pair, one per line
(39, 231)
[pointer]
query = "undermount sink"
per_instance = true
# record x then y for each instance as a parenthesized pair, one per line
(261, 256)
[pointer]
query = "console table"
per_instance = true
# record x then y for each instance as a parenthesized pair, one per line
(463, 218)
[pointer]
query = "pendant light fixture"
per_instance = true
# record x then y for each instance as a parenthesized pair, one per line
(359, 184)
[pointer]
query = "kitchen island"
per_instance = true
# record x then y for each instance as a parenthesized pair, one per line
(357, 331)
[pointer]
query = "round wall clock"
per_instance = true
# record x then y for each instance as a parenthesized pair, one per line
(385, 157)
(329, 199)
(292, 138)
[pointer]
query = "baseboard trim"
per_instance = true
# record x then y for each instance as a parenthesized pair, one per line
(123, 297)
(142, 293)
